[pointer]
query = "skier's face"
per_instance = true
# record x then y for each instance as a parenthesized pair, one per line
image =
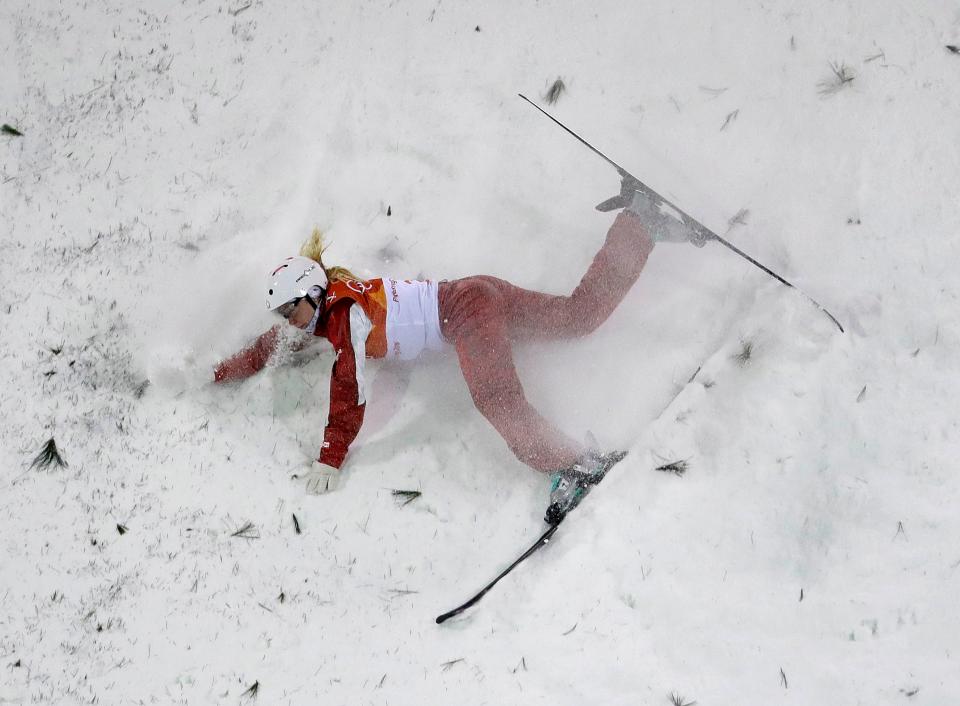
(302, 314)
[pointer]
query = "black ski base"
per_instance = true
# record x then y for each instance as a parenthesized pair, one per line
(543, 541)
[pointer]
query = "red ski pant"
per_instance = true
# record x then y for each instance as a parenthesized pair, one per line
(481, 316)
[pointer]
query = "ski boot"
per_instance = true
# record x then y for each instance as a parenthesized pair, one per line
(569, 485)
(664, 226)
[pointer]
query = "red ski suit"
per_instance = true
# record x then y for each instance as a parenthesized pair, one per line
(480, 316)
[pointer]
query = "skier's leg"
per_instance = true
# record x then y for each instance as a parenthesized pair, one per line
(471, 312)
(614, 270)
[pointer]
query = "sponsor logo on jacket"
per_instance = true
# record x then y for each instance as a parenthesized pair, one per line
(358, 286)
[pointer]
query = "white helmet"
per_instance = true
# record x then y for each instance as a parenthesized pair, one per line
(292, 279)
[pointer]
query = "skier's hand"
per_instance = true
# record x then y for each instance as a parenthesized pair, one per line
(319, 478)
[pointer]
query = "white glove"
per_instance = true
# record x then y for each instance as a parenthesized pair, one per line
(320, 479)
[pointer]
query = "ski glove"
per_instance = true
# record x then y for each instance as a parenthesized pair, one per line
(320, 479)
(664, 227)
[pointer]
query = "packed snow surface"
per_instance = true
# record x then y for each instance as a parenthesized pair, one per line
(171, 152)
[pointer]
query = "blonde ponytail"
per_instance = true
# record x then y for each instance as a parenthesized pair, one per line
(314, 247)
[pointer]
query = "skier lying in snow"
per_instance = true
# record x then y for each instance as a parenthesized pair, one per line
(480, 316)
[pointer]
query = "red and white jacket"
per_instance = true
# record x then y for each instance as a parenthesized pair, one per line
(377, 318)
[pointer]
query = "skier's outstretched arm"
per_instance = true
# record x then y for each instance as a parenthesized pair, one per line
(250, 360)
(347, 329)
(255, 357)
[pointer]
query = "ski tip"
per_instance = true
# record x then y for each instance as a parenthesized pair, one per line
(832, 318)
(441, 619)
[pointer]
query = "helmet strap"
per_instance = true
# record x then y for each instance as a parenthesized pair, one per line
(314, 296)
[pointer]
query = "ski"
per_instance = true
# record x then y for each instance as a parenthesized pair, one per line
(542, 542)
(702, 233)
(556, 513)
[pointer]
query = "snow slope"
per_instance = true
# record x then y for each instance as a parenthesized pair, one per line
(172, 151)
